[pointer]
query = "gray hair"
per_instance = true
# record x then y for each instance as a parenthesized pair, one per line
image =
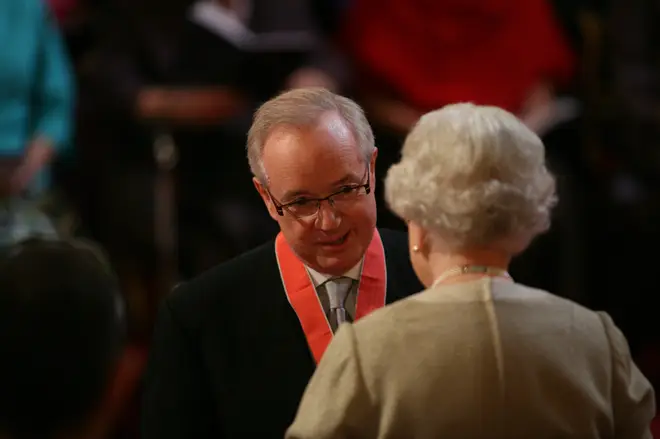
(303, 108)
(474, 175)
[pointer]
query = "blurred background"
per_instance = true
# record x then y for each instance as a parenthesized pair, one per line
(156, 173)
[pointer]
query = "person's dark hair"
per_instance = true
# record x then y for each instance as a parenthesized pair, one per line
(61, 331)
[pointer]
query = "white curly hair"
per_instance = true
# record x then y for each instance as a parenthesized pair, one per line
(473, 175)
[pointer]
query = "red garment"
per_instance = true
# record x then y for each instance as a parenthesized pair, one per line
(435, 52)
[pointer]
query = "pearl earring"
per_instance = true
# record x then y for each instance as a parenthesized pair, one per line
(415, 248)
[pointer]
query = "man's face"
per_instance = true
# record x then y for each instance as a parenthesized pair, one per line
(310, 163)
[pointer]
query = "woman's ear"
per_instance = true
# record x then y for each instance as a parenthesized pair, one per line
(417, 238)
(419, 253)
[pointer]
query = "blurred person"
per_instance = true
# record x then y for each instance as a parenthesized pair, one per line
(63, 9)
(635, 125)
(76, 22)
(508, 53)
(633, 135)
(634, 84)
(234, 348)
(36, 110)
(476, 354)
(61, 332)
(413, 56)
(469, 51)
(165, 106)
(193, 72)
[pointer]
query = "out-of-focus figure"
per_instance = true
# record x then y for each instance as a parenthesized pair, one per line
(175, 89)
(61, 337)
(635, 82)
(413, 56)
(36, 104)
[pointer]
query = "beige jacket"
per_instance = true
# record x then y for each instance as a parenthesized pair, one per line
(482, 359)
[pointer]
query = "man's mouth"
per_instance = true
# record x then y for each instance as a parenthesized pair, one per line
(335, 242)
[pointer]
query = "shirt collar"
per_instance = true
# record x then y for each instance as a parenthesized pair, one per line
(320, 278)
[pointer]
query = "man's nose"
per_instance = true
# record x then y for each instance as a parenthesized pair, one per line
(327, 217)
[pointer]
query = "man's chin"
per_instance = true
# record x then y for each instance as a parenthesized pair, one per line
(337, 265)
(331, 269)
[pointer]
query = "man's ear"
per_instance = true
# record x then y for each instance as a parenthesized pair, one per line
(272, 211)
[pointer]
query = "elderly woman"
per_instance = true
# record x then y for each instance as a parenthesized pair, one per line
(475, 355)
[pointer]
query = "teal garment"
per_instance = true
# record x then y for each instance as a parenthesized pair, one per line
(36, 82)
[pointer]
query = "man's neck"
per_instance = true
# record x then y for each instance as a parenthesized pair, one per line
(318, 278)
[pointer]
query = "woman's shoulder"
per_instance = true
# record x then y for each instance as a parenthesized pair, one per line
(394, 323)
(512, 292)
(441, 308)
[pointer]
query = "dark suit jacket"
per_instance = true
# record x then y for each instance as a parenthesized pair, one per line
(229, 358)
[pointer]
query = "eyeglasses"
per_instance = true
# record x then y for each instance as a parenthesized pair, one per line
(309, 207)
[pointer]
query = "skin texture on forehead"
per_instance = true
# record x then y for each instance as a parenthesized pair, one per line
(311, 160)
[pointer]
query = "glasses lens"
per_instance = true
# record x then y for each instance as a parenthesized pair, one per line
(349, 195)
(304, 209)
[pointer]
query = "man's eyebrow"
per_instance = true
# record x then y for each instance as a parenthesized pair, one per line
(293, 194)
(349, 178)
(290, 195)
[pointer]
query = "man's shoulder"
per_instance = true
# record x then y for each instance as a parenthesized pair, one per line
(238, 268)
(227, 280)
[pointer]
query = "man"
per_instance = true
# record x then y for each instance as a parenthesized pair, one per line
(61, 334)
(233, 349)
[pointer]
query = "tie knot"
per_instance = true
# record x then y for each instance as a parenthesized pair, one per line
(338, 289)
